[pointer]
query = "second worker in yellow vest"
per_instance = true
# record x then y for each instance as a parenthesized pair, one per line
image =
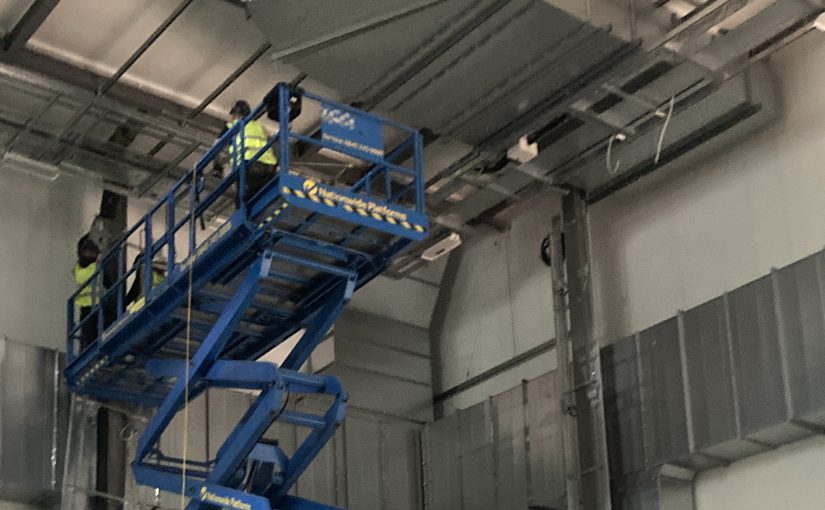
(90, 289)
(255, 137)
(136, 297)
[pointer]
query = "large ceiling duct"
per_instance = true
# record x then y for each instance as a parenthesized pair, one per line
(647, 83)
(573, 80)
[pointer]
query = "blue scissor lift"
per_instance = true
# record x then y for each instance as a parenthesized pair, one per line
(286, 260)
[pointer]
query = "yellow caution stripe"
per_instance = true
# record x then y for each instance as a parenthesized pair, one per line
(311, 192)
(274, 215)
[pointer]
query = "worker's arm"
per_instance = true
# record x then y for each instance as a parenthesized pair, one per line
(219, 163)
(134, 291)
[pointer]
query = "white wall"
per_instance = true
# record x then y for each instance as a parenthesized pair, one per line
(500, 306)
(40, 223)
(788, 478)
(674, 243)
(405, 300)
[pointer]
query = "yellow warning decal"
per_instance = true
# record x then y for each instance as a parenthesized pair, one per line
(363, 207)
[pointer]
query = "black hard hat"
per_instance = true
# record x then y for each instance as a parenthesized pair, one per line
(241, 108)
(86, 243)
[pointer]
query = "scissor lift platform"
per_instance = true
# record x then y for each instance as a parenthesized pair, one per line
(285, 261)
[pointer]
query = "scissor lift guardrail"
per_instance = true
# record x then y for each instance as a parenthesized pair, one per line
(286, 260)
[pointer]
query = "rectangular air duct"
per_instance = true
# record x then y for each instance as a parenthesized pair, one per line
(729, 378)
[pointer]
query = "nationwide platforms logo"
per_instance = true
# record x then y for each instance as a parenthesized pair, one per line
(224, 501)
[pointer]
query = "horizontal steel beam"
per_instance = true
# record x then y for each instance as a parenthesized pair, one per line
(34, 16)
(41, 71)
(73, 97)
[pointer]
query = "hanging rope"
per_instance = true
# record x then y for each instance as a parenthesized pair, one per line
(185, 455)
(611, 168)
(664, 130)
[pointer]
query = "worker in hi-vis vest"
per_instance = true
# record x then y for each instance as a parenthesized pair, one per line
(136, 297)
(89, 295)
(255, 137)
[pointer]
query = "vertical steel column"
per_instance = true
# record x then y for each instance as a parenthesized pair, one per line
(588, 479)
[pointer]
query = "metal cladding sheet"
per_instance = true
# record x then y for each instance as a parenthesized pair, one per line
(758, 364)
(511, 463)
(549, 87)
(489, 61)
(503, 453)
(516, 38)
(546, 453)
(444, 464)
(801, 297)
(352, 64)
(623, 408)
(708, 369)
(710, 383)
(319, 482)
(28, 464)
(400, 465)
(478, 457)
(663, 394)
(371, 461)
(363, 468)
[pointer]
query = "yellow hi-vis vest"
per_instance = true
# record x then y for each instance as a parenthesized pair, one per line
(254, 139)
(157, 277)
(82, 276)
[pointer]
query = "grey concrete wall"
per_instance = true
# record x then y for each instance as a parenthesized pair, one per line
(385, 365)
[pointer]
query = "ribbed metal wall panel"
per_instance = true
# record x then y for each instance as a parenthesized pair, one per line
(623, 408)
(510, 455)
(801, 296)
(729, 378)
(501, 454)
(401, 466)
(758, 365)
(478, 474)
(708, 368)
(32, 417)
(713, 404)
(363, 465)
(443, 468)
(547, 486)
(663, 394)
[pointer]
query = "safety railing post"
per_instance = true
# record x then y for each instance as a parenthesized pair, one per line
(100, 322)
(240, 160)
(121, 256)
(170, 240)
(192, 205)
(418, 152)
(70, 325)
(147, 256)
(283, 128)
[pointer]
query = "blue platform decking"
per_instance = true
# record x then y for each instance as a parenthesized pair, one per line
(286, 260)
